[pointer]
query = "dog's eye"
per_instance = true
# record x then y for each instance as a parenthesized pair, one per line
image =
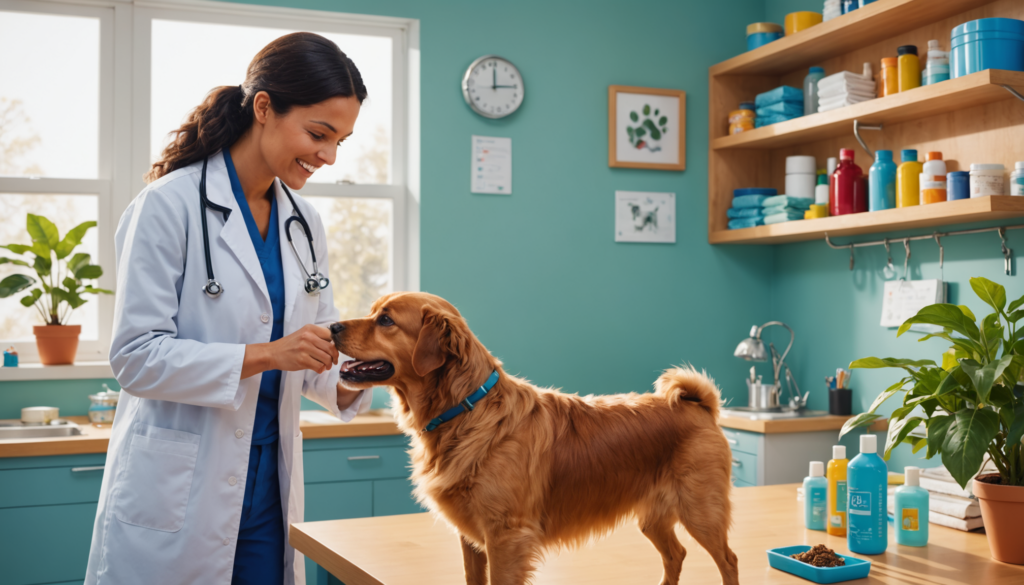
(385, 321)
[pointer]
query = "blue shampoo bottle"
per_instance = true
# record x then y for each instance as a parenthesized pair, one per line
(815, 491)
(867, 480)
(882, 182)
(910, 514)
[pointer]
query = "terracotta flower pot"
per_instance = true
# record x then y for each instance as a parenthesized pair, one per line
(1002, 509)
(57, 344)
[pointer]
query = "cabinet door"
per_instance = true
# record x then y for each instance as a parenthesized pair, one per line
(45, 544)
(394, 496)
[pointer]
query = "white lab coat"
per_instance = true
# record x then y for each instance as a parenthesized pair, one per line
(171, 499)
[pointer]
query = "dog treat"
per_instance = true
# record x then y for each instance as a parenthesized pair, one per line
(820, 556)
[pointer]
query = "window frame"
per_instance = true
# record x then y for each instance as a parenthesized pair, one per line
(125, 86)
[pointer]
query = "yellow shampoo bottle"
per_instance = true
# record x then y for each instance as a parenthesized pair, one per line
(836, 497)
(908, 179)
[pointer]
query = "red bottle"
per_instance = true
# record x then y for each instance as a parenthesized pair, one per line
(848, 187)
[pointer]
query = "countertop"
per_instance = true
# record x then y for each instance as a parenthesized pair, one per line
(314, 424)
(418, 549)
(828, 422)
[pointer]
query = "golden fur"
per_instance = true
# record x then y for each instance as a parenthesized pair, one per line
(531, 468)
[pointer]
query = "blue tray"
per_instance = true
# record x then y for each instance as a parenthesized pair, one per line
(779, 559)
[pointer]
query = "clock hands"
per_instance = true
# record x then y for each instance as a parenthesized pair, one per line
(494, 84)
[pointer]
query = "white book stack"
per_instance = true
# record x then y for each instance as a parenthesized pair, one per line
(845, 89)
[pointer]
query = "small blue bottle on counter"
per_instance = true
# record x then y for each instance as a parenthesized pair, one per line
(882, 182)
(867, 480)
(815, 491)
(910, 513)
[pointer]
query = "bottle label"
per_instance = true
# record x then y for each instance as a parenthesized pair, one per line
(818, 506)
(840, 496)
(860, 503)
(910, 519)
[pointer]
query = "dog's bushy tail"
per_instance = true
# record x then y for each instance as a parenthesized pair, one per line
(688, 385)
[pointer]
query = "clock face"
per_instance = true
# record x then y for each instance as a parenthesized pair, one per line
(493, 87)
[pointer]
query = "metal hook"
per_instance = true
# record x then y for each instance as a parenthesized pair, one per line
(906, 261)
(857, 127)
(889, 271)
(851, 256)
(1014, 92)
(1007, 252)
(941, 251)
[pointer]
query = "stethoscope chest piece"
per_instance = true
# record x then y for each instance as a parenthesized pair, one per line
(212, 288)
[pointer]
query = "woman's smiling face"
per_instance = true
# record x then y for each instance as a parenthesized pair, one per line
(296, 144)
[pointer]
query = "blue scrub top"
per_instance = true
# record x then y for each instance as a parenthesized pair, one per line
(269, 252)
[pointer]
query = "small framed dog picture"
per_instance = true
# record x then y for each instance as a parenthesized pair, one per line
(646, 128)
(645, 217)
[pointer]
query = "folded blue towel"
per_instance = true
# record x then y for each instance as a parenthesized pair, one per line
(781, 218)
(745, 212)
(788, 201)
(783, 93)
(773, 119)
(793, 109)
(777, 210)
(767, 192)
(748, 201)
(735, 224)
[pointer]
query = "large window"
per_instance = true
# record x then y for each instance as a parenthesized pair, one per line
(80, 124)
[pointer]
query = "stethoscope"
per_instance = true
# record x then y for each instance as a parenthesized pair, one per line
(315, 281)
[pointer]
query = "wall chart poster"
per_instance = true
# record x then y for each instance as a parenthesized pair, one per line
(645, 217)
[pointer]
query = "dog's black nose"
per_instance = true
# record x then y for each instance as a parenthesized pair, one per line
(337, 328)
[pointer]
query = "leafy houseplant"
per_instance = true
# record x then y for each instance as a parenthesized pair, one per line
(972, 405)
(61, 282)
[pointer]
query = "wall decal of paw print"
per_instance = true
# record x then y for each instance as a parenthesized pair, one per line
(645, 132)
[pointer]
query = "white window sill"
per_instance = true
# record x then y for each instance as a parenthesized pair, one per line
(77, 371)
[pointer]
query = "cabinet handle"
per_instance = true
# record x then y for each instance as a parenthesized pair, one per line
(80, 469)
(732, 441)
(737, 463)
(363, 457)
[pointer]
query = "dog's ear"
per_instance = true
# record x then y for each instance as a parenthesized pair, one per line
(442, 335)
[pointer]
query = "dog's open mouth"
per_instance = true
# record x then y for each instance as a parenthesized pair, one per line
(368, 371)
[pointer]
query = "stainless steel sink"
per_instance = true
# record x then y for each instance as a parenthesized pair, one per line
(753, 414)
(15, 429)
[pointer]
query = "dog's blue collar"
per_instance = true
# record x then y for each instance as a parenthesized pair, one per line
(466, 405)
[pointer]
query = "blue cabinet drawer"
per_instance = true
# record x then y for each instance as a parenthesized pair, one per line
(394, 496)
(338, 501)
(355, 464)
(742, 440)
(50, 485)
(744, 467)
(45, 544)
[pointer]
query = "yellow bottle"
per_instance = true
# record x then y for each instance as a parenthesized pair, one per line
(836, 496)
(909, 67)
(908, 179)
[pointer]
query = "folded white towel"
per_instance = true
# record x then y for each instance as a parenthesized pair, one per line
(954, 506)
(838, 91)
(846, 79)
(965, 524)
(827, 106)
(839, 88)
(942, 486)
(851, 95)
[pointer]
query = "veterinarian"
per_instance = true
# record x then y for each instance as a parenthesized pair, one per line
(204, 469)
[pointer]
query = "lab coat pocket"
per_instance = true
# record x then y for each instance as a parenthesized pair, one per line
(155, 483)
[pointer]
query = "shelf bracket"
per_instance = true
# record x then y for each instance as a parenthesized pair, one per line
(857, 127)
(1014, 92)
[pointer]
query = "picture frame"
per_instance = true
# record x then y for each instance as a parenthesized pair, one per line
(646, 128)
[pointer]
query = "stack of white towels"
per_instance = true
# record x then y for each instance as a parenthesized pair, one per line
(948, 504)
(845, 89)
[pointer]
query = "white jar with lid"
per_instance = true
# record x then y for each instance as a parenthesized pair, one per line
(987, 179)
(1017, 179)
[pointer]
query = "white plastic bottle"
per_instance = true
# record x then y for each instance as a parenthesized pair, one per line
(1017, 179)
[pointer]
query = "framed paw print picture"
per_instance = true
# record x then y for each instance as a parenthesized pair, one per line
(646, 128)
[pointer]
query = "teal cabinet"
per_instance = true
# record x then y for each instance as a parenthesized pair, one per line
(774, 458)
(48, 504)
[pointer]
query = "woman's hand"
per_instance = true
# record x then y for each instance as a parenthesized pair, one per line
(309, 348)
(346, 397)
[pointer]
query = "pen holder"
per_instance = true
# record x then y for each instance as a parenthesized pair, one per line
(840, 401)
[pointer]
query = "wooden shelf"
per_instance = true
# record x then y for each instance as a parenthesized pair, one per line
(875, 22)
(948, 96)
(919, 216)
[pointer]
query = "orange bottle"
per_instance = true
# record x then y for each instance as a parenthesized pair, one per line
(890, 77)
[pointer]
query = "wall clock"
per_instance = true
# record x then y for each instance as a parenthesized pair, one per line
(493, 87)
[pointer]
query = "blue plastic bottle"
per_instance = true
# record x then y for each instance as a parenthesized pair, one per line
(815, 490)
(910, 514)
(882, 182)
(867, 500)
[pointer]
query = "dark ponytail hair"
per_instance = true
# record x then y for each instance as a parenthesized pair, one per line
(298, 69)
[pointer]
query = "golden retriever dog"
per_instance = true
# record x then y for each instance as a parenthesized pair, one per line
(528, 468)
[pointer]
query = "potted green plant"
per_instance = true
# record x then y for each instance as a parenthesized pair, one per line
(61, 281)
(971, 406)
